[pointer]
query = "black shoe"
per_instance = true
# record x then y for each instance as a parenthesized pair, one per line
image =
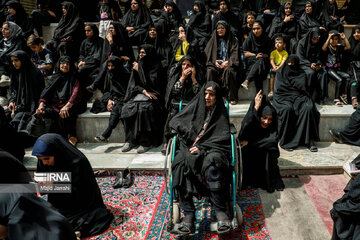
(184, 229)
(336, 136)
(312, 147)
(163, 150)
(101, 139)
(128, 146)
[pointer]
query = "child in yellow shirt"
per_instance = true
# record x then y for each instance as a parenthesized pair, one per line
(277, 60)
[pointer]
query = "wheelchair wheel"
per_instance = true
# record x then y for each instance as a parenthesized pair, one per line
(239, 215)
(238, 166)
(167, 165)
(176, 212)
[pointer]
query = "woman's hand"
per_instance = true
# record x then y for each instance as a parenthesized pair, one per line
(126, 58)
(64, 111)
(136, 66)
(150, 95)
(243, 143)
(81, 64)
(110, 105)
(109, 37)
(258, 99)
(193, 75)
(12, 106)
(259, 55)
(225, 64)
(194, 149)
(185, 73)
(40, 109)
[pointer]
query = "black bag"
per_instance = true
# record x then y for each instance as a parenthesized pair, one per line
(38, 125)
(20, 121)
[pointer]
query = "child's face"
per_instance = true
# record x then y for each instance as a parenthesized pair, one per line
(223, 6)
(11, 11)
(334, 40)
(89, 32)
(35, 48)
(357, 34)
(152, 32)
(110, 66)
(250, 19)
(279, 44)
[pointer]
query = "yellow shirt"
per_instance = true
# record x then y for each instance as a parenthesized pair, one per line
(185, 47)
(278, 56)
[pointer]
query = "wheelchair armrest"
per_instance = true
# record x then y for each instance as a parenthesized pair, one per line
(232, 129)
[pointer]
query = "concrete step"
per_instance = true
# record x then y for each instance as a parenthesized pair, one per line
(90, 125)
(328, 160)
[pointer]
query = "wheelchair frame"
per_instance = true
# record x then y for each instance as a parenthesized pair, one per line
(236, 163)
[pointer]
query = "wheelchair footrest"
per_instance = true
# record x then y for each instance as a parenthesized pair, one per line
(234, 225)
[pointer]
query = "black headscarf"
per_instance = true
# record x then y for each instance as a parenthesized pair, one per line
(26, 84)
(68, 23)
(91, 48)
(61, 84)
(84, 205)
(21, 18)
(175, 74)
(121, 45)
(14, 42)
(288, 29)
(308, 21)
(232, 46)
(200, 21)
(175, 15)
(251, 130)
(138, 19)
(329, 10)
(355, 46)
(260, 44)
(12, 170)
(306, 48)
(189, 122)
(148, 75)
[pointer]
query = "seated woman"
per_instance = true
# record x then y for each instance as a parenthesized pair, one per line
(285, 24)
(161, 44)
(170, 19)
(259, 140)
(308, 20)
(136, 22)
(184, 84)
(329, 16)
(345, 210)
(44, 14)
(18, 15)
(310, 54)
(228, 16)
(89, 59)
(13, 39)
(200, 23)
(24, 215)
(257, 48)
(143, 110)
(350, 133)
(352, 12)
(115, 81)
(298, 117)
(83, 207)
(354, 58)
(59, 100)
(68, 34)
(222, 60)
(203, 152)
(27, 83)
(117, 44)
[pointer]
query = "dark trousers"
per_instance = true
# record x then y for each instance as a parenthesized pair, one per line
(258, 70)
(113, 120)
(342, 81)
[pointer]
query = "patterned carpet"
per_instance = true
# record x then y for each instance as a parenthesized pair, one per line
(140, 212)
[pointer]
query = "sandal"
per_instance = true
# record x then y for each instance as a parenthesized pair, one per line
(344, 99)
(127, 178)
(354, 102)
(184, 229)
(73, 141)
(338, 103)
(223, 227)
(118, 183)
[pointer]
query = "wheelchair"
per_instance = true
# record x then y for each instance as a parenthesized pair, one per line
(235, 213)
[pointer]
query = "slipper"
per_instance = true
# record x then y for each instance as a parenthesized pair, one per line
(118, 183)
(184, 229)
(344, 99)
(127, 178)
(338, 103)
(223, 227)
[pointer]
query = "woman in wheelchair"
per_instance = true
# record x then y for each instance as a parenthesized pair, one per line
(259, 141)
(202, 159)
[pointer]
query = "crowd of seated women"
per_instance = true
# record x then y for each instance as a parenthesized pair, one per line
(231, 43)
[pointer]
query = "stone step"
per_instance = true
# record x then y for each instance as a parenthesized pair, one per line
(90, 125)
(328, 160)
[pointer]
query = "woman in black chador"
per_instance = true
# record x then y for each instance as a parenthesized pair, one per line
(226, 14)
(286, 25)
(170, 19)
(346, 210)
(185, 81)
(222, 60)
(298, 122)
(115, 81)
(257, 49)
(83, 207)
(308, 19)
(259, 140)
(136, 22)
(24, 215)
(68, 34)
(310, 55)
(27, 83)
(161, 44)
(354, 41)
(203, 152)
(142, 113)
(18, 15)
(60, 99)
(330, 16)
(200, 23)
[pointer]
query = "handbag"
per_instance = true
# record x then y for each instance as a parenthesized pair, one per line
(38, 125)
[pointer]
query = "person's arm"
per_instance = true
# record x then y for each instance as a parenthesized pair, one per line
(272, 62)
(326, 44)
(282, 63)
